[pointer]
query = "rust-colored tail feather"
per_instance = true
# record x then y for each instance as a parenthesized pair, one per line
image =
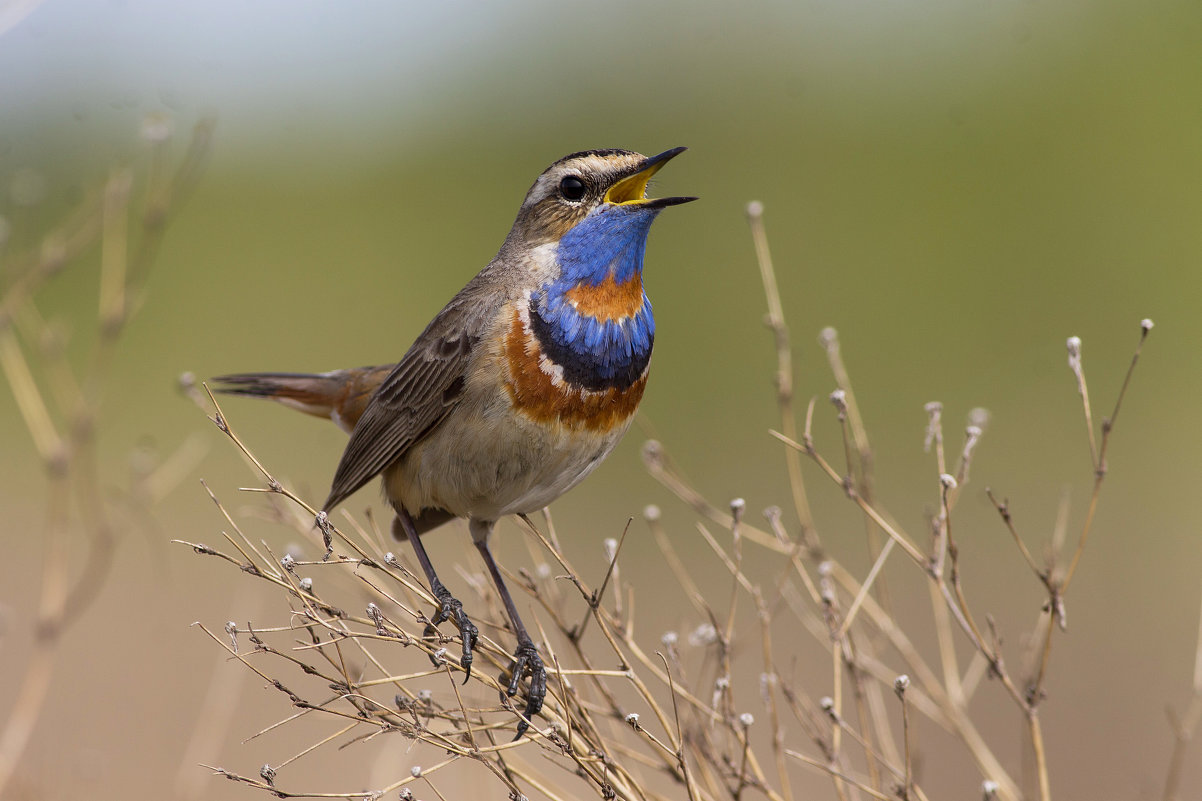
(340, 395)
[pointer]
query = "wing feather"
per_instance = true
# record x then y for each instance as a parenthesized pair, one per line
(419, 393)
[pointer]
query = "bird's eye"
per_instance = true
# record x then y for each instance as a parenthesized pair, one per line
(572, 188)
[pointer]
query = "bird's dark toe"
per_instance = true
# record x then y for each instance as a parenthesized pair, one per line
(450, 608)
(526, 660)
(468, 634)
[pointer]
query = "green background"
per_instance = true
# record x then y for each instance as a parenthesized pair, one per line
(957, 187)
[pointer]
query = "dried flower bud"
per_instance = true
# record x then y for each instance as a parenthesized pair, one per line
(632, 720)
(705, 634)
(1074, 353)
(934, 411)
(746, 719)
(901, 684)
(653, 453)
(651, 513)
(979, 417)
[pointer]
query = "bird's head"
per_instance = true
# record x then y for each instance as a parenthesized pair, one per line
(592, 207)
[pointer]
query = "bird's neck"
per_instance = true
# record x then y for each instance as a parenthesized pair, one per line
(607, 245)
(594, 320)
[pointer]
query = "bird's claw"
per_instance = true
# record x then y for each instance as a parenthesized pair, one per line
(527, 660)
(449, 608)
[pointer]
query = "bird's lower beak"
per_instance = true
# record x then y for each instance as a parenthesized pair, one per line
(632, 190)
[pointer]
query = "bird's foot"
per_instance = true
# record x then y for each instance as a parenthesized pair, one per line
(526, 660)
(449, 608)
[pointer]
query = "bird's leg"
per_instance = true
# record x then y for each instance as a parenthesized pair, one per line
(449, 607)
(526, 658)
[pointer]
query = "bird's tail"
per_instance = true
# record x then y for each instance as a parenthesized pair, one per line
(340, 395)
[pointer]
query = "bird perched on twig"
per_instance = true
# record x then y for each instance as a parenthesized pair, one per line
(517, 389)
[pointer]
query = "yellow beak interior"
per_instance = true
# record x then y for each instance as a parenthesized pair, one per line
(632, 189)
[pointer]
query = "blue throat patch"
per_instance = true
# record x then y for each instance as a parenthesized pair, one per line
(597, 354)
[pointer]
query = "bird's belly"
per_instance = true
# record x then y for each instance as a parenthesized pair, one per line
(489, 463)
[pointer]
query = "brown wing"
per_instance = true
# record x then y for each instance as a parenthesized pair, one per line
(420, 392)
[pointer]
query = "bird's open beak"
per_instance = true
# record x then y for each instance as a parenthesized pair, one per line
(631, 190)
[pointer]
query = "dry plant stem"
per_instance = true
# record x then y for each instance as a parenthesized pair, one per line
(859, 433)
(1184, 727)
(769, 680)
(609, 573)
(607, 625)
(839, 776)
(658, 466)
(1003, 509)
(961, 724)
(1058, 590)
(850, 617)
(953, 716)
(908, 786)
(1100, 466)
(952, 713)
(70, 461)
(860, 470)
(947, 647)
(784, 363)
(910, 549)
(221, 699)
(1074, 363)
(597, 612)
(35, 683)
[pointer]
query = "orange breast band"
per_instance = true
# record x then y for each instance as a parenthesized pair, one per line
(540, 395)
(608, 300)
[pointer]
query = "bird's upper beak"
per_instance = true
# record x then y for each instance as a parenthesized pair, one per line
(631, 189)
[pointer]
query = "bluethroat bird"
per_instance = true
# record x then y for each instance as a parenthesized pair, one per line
(517, 389)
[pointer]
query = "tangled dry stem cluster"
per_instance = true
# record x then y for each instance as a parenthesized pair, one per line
(118, 230)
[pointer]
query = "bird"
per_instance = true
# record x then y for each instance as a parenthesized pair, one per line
(516, 390)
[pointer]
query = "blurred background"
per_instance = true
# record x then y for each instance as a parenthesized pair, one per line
(955, 186)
